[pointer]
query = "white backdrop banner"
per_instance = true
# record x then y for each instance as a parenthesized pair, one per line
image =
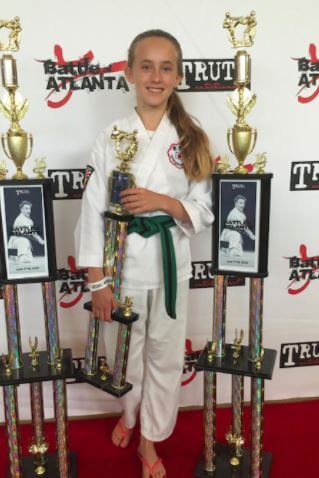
(70, 67)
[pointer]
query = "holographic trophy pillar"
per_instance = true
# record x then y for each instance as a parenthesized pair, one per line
(34, 367)
(116, 226)
(240, 248)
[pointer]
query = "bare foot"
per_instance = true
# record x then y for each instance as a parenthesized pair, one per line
(121, 435)
(152, 464)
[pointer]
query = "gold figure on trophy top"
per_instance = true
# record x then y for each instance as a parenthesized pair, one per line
(127, 307)
(260, 163)
(104, 369)
(40, 167)
(259, 359)
(14, 38)
(211, 347)
(237, 441)
(58, 360)
(241, 103)
(39, 450)
(127, 154)
(34, 354)
(249, 22)
(237, 344)
(223, 166)
(3, 169)
(14, 108)
(7, 363)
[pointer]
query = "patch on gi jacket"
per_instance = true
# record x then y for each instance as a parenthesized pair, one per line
(88, 173)
(175, 155)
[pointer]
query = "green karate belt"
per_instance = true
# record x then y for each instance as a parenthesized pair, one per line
(147, 227)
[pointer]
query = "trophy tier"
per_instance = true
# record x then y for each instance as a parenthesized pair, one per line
(51, 466)
(95, 379)
(240, 366)
(42, 372)
(223, 469)
(104, 385)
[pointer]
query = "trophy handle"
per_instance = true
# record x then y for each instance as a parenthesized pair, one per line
(229, 136)
(254, 139)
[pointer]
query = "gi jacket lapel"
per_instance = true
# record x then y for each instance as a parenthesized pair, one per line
(151, 151)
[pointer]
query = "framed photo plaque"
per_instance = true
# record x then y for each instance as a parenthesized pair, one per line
(27, 244)
(241, 205)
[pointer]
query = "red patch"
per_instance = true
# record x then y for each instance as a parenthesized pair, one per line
(88, 173)
(175, 155)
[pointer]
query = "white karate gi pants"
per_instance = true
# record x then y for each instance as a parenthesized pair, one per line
(155, 362)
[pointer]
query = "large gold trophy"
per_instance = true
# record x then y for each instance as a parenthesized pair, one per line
(17, 144)
(36, 367)
(231, 234)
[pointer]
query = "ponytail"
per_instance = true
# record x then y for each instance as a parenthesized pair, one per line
(193, 140)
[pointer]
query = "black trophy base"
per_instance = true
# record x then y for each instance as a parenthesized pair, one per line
(42, 372)
(105, 385)
(223, 468)
(52, 468)
(240, 366)
(117, 315)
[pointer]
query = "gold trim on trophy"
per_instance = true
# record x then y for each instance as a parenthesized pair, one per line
(3, 169)
(237, 441)
(127, 307)
(39, 450)
(211, 347)
(104, 369)
(40, 167)
(34, 354)
(7, 363)
(237, 344)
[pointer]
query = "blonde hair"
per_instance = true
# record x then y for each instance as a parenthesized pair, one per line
(193, 140)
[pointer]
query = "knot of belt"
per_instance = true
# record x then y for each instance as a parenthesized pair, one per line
(147, 227)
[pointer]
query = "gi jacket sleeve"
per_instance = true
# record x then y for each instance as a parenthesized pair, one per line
(198, 205)
(89, 231)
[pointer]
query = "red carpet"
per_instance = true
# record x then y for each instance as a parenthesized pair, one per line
(290, 434)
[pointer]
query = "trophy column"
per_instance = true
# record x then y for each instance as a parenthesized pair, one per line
(13, 362)
(116, 227)
(240, 247)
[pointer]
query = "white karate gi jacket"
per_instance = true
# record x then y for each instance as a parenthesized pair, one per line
(158, 167)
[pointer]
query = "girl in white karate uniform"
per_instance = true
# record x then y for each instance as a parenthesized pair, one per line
(172, 169)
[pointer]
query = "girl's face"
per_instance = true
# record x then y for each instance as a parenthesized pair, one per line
(154, 72)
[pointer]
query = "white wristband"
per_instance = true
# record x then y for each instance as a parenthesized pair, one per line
(101, 284)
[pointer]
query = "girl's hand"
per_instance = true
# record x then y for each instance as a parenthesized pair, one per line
(103, 303)
(140, 200)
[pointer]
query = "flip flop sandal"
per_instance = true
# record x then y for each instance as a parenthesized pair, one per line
(151, 468)
(123, 432)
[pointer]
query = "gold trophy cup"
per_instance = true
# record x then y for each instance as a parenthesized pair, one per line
(18, 147)
(241, 141)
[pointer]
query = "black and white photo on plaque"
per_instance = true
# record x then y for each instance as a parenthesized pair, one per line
(241, 206)
(27, 233)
